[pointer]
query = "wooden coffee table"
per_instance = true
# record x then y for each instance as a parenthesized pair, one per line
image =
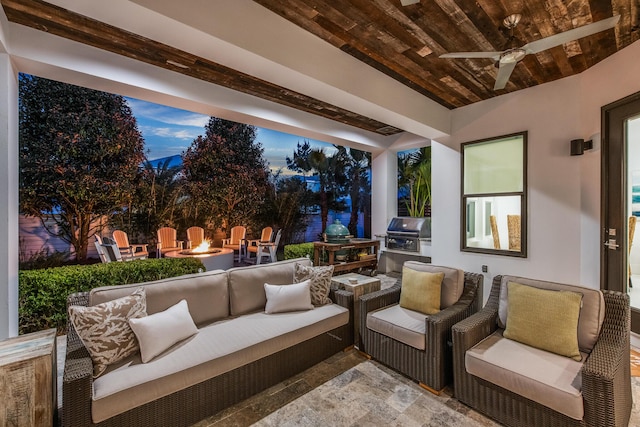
(359, 285)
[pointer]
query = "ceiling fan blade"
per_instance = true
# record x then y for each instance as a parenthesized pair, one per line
(493, 55)
(504, 72)
(408, 2)
(567, 36)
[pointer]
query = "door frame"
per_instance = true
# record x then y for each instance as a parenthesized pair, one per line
(614, 173)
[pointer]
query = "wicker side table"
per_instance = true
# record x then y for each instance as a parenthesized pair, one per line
(28, 379)
(359, 285)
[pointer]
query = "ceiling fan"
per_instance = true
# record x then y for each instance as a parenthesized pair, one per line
(514, 52)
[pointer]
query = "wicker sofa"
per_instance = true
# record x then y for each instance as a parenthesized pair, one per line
(519, 385)
(425, 355)
(238, 350)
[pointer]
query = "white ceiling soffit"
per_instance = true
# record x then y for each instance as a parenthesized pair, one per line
(243, 35)
(52, 57)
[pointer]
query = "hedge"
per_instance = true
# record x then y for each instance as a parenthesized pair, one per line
(43, 293)
(298, 250)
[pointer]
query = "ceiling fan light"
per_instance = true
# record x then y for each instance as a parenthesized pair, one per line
(512, 20)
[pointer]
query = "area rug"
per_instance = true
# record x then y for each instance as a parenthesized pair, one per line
(369, 394)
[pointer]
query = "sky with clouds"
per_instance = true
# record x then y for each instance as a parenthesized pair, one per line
(169, 131)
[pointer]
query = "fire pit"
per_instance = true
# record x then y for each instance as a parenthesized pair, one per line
(196, 253)
(211, 258)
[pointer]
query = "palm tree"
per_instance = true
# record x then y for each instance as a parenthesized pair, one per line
(357, 182)
(414, 174)
(328, 169)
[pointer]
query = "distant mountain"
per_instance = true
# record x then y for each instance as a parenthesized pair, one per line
(175, 160)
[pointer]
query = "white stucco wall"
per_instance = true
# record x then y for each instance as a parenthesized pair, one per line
(564, 190)
(8, 199)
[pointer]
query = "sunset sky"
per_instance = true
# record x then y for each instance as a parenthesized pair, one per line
(169, 131)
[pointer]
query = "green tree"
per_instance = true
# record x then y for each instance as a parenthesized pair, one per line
(226, 175)
(357, 184)
(80, 151)
(286, 206)
(414, 175)
(155, 203)
(328, 169)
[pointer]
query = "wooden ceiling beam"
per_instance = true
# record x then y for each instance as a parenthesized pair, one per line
(64, 23)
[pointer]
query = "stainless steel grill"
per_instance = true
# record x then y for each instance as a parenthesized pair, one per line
(404, 233)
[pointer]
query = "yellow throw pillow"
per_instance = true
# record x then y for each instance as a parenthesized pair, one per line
(421, 291)
(544, 319)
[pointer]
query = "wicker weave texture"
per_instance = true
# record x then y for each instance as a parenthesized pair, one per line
(606, 381)
(434, 365)
(188, 406)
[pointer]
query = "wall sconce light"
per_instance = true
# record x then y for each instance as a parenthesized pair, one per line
(579, 145)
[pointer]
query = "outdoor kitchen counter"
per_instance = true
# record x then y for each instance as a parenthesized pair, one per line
(353, 262)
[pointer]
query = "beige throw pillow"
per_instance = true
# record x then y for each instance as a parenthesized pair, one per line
(158, 332)
(420, 291)
(544, 319)
(320, 278)
(104, 328)
(282, 298)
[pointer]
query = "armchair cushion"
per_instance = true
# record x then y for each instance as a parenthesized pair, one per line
(452, 283)
(104, 329)
(421, 290)
(549, 379)
(544, 319)
(591, 314)
(400, 324)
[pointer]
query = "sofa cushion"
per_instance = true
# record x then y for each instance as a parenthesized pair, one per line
(217, 348)
(551, 380)
(104, 329)
(320, 278)
(544, 319)
(402, 325)
(591, 313)
(206, 294)
(452, 284)
(421, 290)
(246, 284)
(283, 298)
(158, 332)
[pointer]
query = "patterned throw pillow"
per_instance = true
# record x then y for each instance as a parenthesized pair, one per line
(104, 328)
(320, 278)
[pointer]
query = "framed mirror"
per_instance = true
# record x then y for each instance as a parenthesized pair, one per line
(494, 195)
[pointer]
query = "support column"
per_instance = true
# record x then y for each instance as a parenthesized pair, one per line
(8, 199)
(384, 191)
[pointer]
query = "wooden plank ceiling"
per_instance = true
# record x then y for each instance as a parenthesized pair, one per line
(404, 42)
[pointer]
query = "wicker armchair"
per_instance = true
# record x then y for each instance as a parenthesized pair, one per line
(431, 367)
(606, 383)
